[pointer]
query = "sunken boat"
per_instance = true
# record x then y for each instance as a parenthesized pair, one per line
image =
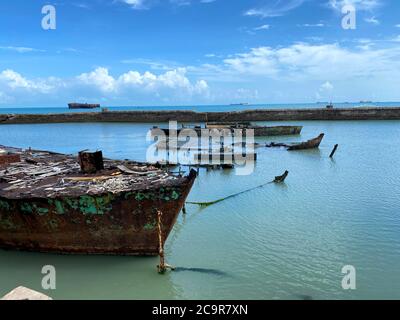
(230, 128)
(83, 105)
(310, 144)
(259, 131)
(58, 203)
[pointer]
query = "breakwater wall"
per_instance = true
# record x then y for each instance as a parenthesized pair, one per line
(190, 116)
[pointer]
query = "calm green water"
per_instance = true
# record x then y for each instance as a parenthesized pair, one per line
(280, 242)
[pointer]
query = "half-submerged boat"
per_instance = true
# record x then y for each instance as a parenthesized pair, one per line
(230, 127)
(49, 204)
(259, 131)
(310, 144)
(83, 105)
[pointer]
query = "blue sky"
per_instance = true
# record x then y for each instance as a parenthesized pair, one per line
(179, 52)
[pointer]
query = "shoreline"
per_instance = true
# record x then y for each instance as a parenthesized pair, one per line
(322, 114)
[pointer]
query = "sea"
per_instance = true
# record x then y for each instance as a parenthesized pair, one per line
(282, 241)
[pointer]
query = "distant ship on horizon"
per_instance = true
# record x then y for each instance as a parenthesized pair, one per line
(240, 104)
(75, 105)
(366, 101)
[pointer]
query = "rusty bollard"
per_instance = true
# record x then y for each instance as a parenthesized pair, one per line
(91, 162)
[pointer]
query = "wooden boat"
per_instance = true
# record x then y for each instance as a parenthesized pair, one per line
(48, 205)
(310, 144)
(83, 106)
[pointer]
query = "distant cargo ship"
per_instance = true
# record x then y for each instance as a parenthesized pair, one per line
(240, 104)
(83, 106)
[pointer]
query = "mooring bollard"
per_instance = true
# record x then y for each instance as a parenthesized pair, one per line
(91, 162)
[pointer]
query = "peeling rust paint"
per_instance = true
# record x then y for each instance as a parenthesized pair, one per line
(150, 226)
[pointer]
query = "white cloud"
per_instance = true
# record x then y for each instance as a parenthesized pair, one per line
(263, 27)
(277, 9)
(173, 80)
(101, 85)
(146, 4)
(304, 60)
(396, 39)
(365, 5)
(136, 4)
(13, 80)
(20, 49)
(327, 86)
(309, 25)
(99, 78)
(372, 20)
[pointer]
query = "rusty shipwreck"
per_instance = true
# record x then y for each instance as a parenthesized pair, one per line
(230, 128)
(48, 204)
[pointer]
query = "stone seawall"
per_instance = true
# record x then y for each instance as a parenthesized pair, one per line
(190, 116)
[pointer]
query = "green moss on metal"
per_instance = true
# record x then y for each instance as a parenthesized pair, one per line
(140, 196)
(95, 205)
(72, 203)
(31, 208)
(150, 226)
(128, 195)
(26, 208)
(42, 211)
(87, 205)
(164, 194)
(175, 195)
(104, 203)
(4, 205)
(59, 207)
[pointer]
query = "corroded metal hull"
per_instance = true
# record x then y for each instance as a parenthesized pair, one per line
(258, 131)
(47, 204)
(122, 224)
(83, 106)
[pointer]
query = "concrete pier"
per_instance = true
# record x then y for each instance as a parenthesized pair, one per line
(375, 113)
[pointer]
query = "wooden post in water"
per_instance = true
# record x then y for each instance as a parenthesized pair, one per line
(91, 162)
(334, 151)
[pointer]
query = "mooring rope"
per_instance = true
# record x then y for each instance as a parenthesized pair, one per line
(161, 266)
(278, 179)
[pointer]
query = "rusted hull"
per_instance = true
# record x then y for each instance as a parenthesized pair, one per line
(277, 131)
(83, 106)
(107, 224)
(258, 131)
